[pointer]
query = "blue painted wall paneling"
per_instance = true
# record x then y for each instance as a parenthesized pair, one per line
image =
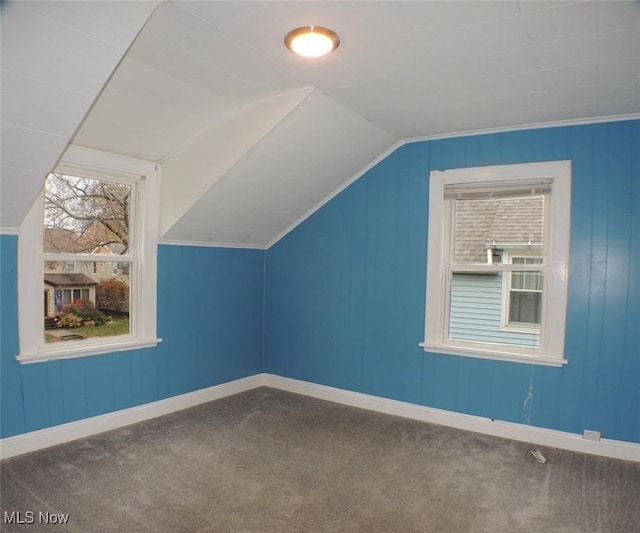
(345, 303)
(210, 304)
(345, 290)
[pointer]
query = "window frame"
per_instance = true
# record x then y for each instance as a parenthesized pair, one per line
(95, 164)
(555, 266)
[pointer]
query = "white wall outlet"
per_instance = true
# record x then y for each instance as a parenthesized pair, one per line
(591, 435)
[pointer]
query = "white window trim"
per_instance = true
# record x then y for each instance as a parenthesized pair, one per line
(100, 165)
(555, 270)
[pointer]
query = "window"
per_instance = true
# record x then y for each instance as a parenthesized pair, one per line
(523, 303)
(95, 207)
(70, 296)
(498, 262)
(88, 217)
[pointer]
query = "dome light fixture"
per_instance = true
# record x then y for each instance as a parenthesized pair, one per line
(312, 41)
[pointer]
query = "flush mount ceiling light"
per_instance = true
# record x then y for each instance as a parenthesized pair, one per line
(312, 41)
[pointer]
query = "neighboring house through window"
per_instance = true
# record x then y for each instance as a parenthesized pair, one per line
(93, 206)
(67, 289)
(523, 303)
(498, 262)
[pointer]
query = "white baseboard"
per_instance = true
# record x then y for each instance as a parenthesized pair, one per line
(43, 438)
(615, 449)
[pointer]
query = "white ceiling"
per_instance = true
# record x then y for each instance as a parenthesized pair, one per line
(304, 158)
(199, 69)
(56, 57)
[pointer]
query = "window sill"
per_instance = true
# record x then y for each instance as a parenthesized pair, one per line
(71, 352)
(495, 355)
(520, 329)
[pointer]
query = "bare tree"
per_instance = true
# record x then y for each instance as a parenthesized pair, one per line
(82, 214)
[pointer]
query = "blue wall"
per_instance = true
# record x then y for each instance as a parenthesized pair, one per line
(210, 315)
(345, 290)
(345, 303)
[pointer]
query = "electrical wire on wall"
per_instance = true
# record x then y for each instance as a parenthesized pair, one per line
(528, 410)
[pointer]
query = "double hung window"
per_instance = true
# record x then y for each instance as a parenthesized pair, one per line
(498, 255)
(89, 246)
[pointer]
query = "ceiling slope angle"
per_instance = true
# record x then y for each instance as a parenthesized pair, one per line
(189, 173)
(56, 59)
(309, 155)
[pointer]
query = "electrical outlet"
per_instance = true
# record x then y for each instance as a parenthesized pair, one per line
(591, 435)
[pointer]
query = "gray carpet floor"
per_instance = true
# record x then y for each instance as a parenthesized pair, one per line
(270, 461)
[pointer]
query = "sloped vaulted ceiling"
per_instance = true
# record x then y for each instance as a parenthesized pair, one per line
(56, 57)
(252, 138)
(304, 158)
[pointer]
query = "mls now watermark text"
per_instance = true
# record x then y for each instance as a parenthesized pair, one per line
(34, 517)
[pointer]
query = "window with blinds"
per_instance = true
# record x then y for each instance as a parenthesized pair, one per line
(496, 276)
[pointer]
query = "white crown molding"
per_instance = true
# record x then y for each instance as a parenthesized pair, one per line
(205, 244)
(532, 126)
(336, 192)
(378, 159)
(381, 157)
(402, 142)
(43, 438)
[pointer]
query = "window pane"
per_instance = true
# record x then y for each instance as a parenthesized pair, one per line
(518, 280)
(532, 281)
(485, 228)
(92, 302)
(477, 312)
(525, 307)
(83, 215)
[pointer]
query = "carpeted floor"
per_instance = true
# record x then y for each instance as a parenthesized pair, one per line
(271, 461)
